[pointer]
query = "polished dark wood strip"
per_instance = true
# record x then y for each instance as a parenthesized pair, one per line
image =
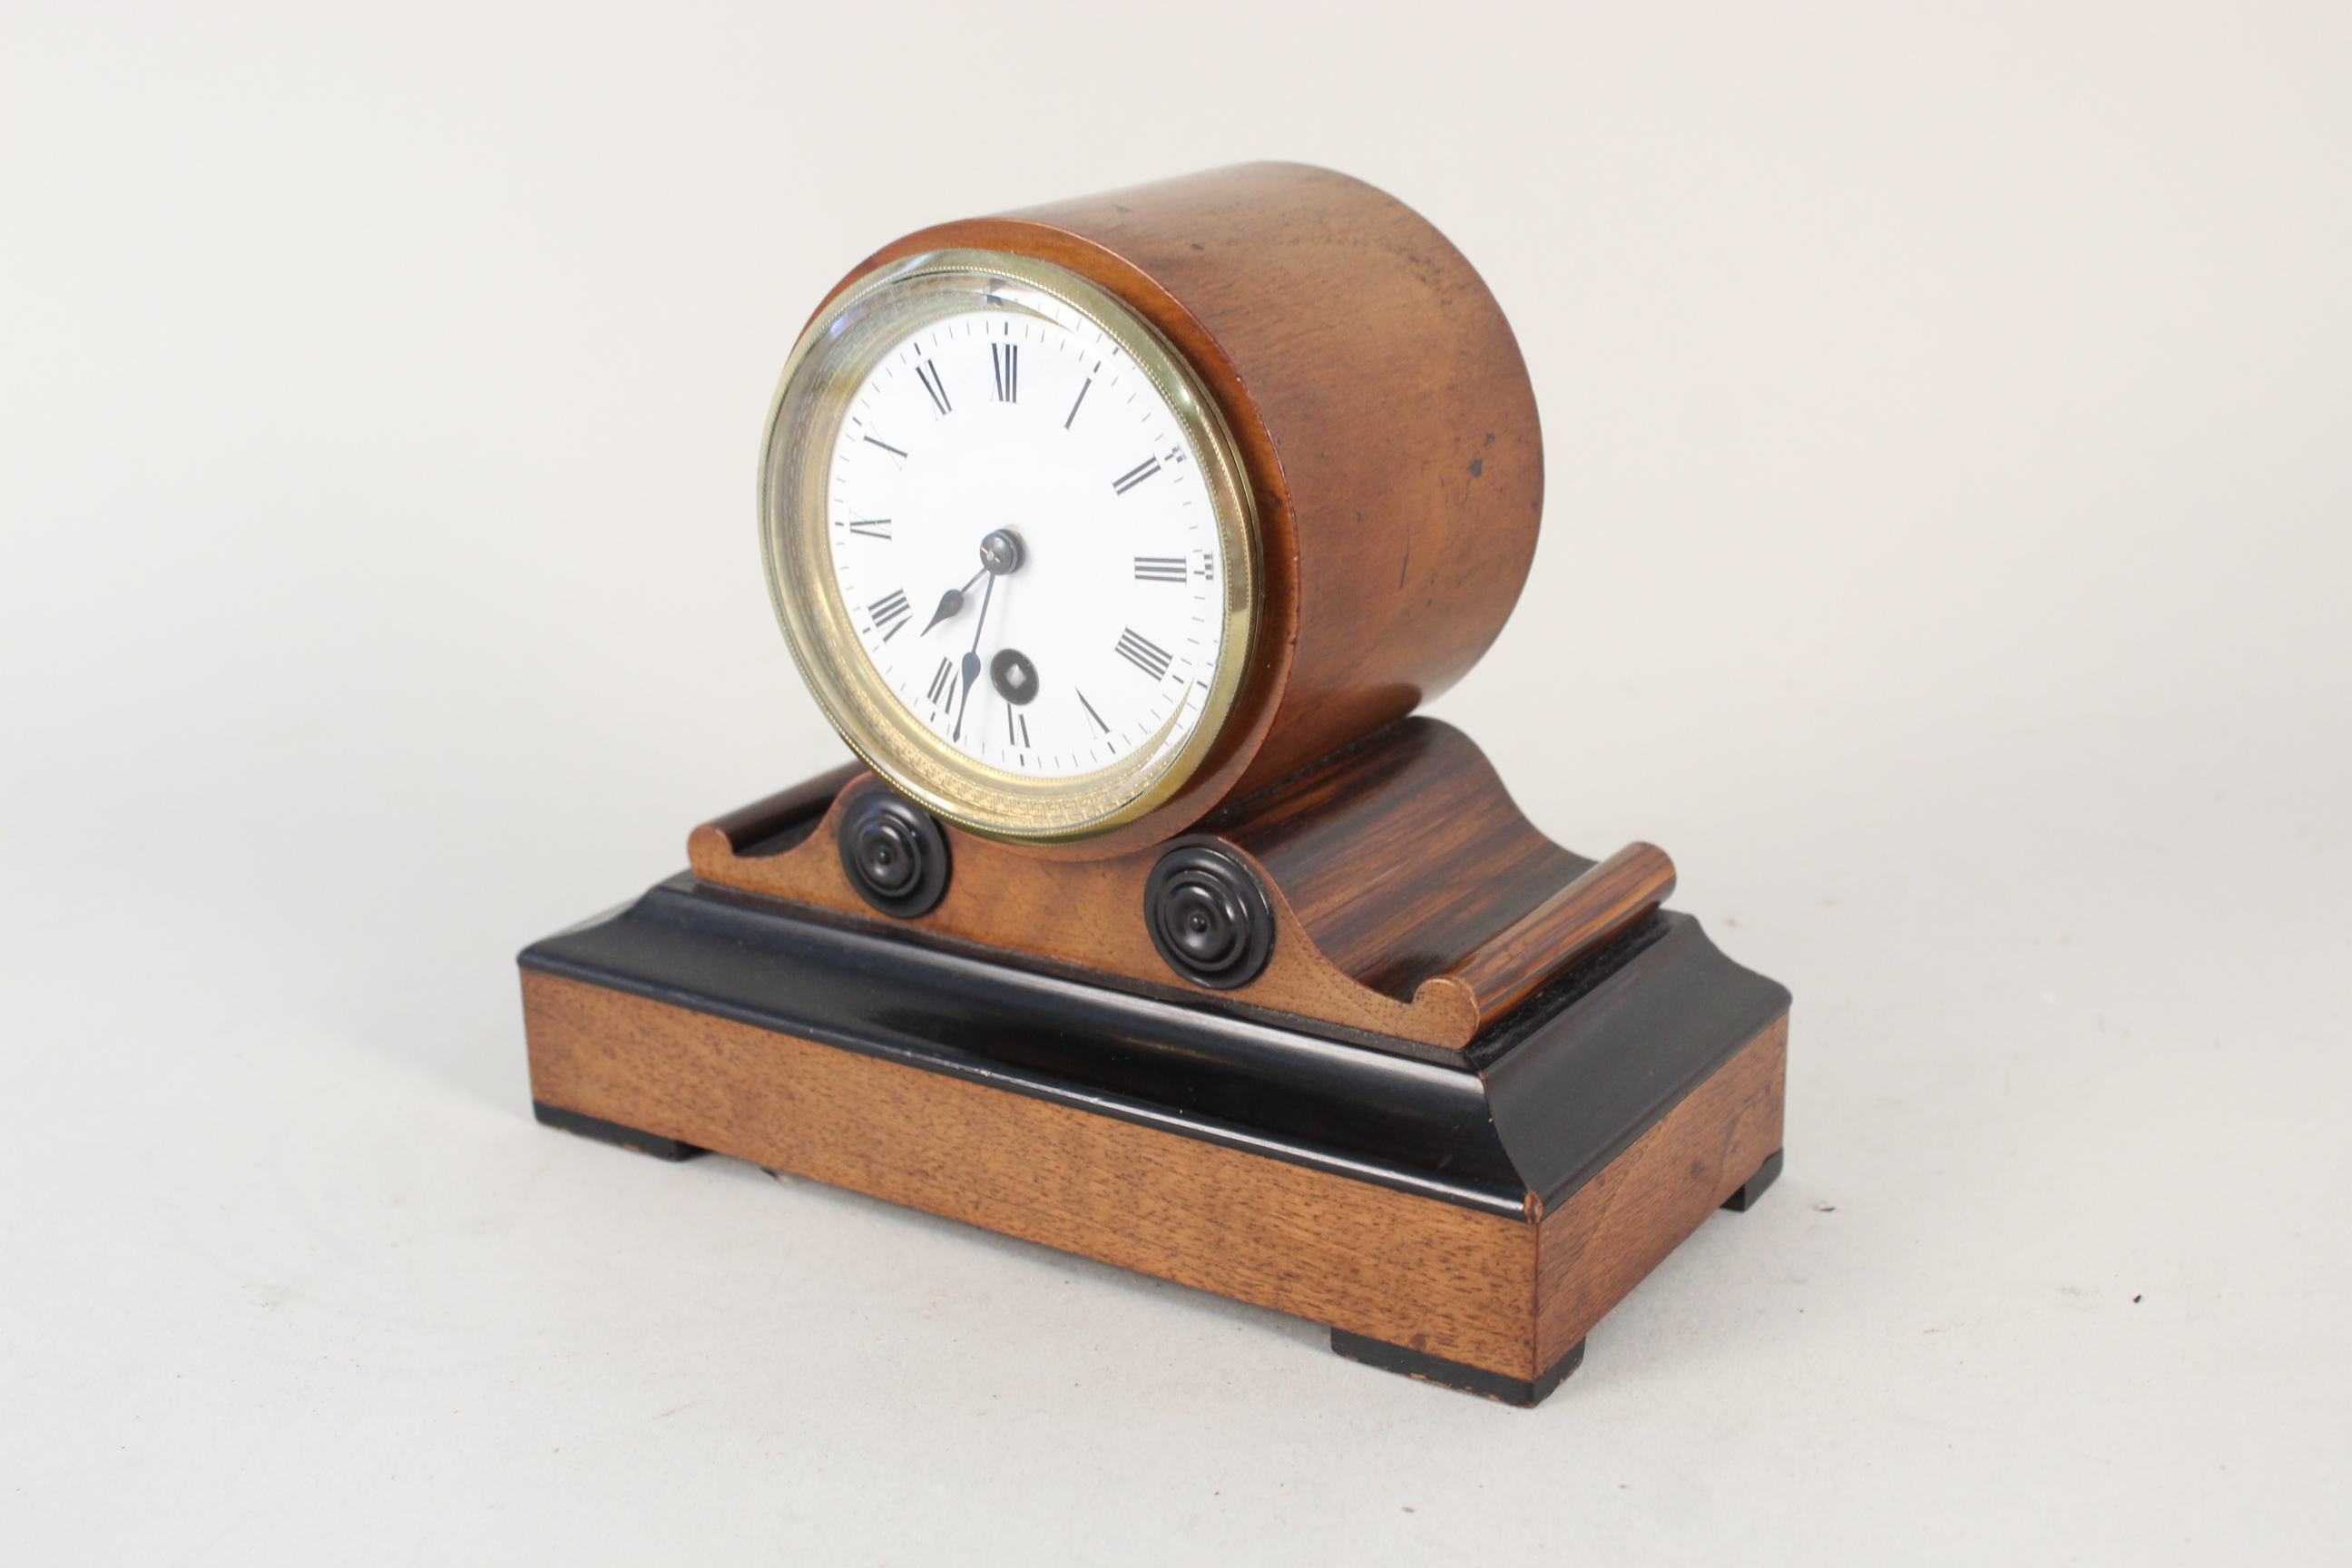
(1509, 967)
(1375, 1115)
(750, 830)
(1401, 855)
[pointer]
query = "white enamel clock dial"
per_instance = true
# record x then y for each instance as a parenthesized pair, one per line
(1009, 545)
(1099, 630)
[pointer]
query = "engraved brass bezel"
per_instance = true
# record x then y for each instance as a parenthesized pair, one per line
(832, 360)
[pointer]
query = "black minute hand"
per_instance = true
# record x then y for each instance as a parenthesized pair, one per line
(972, 659)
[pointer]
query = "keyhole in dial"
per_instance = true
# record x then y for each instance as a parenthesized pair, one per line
(1014, 678)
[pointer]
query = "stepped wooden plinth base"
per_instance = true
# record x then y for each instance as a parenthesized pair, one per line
(1467, 1225)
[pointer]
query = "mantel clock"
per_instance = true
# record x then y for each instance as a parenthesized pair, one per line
(1120, 539)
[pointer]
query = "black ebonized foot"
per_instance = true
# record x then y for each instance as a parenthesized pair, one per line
(605, 1131)
(1456, 1375)
(1765, 1174)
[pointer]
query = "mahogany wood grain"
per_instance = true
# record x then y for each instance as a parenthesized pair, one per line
(1452, 1280)
(1508, 1296)
(1613, 1230)
(1401, 855)
(1412, 899)
(754, 829)
(1380, 406)
(1503, 972)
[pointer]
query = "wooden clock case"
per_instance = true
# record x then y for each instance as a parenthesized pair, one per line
(1476, 1085)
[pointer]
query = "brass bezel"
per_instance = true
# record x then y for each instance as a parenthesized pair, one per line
(830, 361)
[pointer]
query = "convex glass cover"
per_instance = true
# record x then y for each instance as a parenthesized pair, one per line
(1010, 542)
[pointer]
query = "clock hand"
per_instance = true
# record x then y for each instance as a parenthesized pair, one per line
(972, 659)
(999, 552)
(951, 602)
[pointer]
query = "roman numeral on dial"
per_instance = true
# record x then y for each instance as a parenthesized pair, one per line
(1136, 475)
(1078, 401)
(1017, 728)
(890, 613)
(1007, 357)
(885, 446)
(1090, 711)
(1143, 653)
(929, 374)
(1160, 569)
(871, 527)
(942, 683)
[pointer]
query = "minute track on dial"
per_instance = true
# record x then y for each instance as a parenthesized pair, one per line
(1099, 677)
(989, 454)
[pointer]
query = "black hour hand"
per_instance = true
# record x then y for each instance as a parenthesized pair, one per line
(950, 603)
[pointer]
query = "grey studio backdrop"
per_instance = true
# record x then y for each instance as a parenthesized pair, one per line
(1945, 558)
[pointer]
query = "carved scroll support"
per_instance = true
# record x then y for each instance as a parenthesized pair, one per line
(1410, 897)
